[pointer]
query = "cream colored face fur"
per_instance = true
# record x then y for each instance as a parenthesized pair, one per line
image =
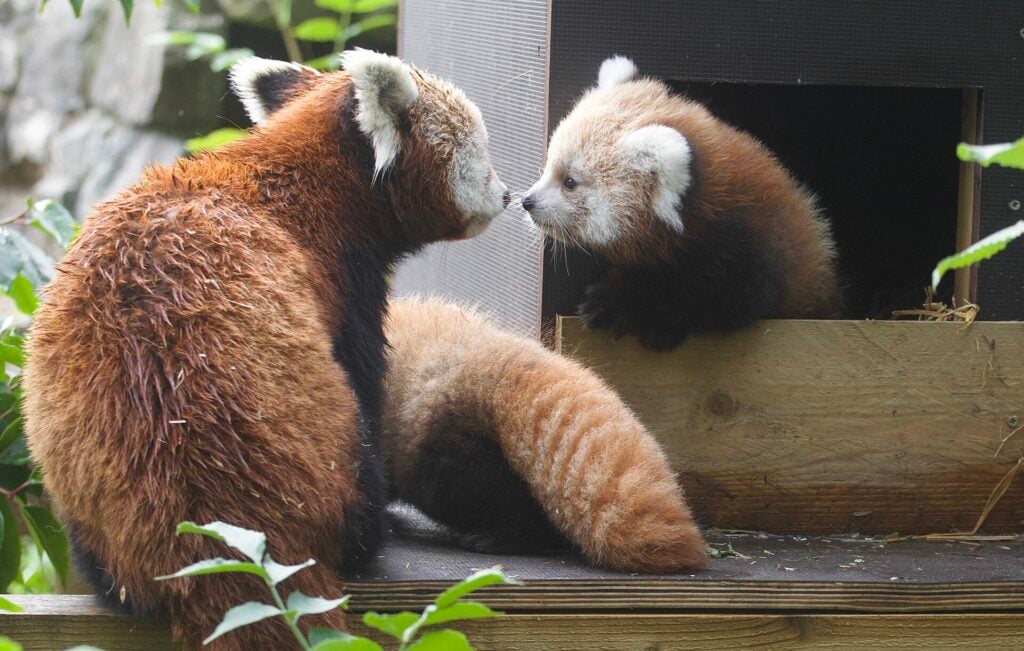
(612, 173)
(386, 89)
(444, 117)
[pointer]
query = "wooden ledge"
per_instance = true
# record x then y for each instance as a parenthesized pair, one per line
(792, 592)
(825, 426)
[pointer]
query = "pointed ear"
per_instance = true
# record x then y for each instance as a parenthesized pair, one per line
(385, 90)
(265, 85)
(665, 153)
(616, 70)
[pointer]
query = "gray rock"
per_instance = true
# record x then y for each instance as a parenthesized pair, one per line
(95, 156)
(50, 83)
(148, 84)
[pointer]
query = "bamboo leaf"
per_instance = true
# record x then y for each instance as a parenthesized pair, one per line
(224, 60)
(339, 6)
(277, 572)
(983, 249)
(366, 6)
(192, 5)
(346, 642)
(394, 625)
(126, 8)
(10, 606)
(366, 24)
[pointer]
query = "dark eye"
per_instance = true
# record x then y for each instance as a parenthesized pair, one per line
(569, 183)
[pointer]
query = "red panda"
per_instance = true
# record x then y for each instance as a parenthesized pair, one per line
(518, 449)
(212, 346)
(702, 226)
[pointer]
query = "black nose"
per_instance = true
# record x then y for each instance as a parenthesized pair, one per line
(506, 198)
(529, 202)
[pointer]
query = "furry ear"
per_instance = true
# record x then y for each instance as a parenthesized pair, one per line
(384, 89)
(666, 153)
(265, 85)
(616, 70)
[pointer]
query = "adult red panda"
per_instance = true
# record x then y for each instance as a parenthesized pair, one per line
(703, 228)
(212, 347)
(517, 448)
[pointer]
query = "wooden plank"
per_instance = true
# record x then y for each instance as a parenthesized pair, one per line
(51, 622)
(968, 206)
(830, 426)
(57, 622)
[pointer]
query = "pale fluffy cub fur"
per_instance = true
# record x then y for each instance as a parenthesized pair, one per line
(516, 447)
(703, 227)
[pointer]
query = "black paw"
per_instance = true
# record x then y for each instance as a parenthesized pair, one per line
(604, 309)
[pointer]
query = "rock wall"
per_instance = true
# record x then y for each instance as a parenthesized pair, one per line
(87, 103)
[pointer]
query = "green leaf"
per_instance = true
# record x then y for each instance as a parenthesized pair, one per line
(192, 5)
(49, 537)
(7, 644)
(12, 354)
(126, 7)
(983, 249)
(472, 583)
(1010, 154)
(458, 611)
(17, 454)
(206, 44)
(214, 139)
(366, 6)
(53, 219)
(446, 640)
(366, 24)
(23, 295)
(216, 566)
(345, 642)
(224, 60)
(339, 6)
(251, 543)
(10, 549)
(18, 255)
(318, 30)
(330, 61)
(394, 625)
(10, 434)
(306, 605)
(10, 606)
(239, 616)
(76, 6)
(172, 38)
(277, 572)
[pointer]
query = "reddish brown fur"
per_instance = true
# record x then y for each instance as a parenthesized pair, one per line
(595, 470)
(208, 293)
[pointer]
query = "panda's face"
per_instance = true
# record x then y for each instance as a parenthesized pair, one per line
(428, 139)
(451, 128)
(615, 179)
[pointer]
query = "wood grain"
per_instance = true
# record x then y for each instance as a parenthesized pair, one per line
(53, 622)
(831, 426)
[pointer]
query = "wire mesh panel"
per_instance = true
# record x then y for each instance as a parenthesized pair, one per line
(496, 51)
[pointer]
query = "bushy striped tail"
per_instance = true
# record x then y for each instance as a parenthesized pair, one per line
(456, 382)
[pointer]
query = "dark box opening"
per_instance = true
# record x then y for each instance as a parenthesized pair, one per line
(882, 163)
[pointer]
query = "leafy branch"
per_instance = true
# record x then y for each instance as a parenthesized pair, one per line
(406, 627)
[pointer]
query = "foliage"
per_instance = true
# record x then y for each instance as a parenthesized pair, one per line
(1010, 154)
(213, 139)
(405, 626)
(127, 6)
(27, 563)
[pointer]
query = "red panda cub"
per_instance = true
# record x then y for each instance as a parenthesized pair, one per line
(518, 449)
(212, 346)
(703, 227)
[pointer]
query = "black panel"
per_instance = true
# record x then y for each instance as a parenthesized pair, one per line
(918, 43)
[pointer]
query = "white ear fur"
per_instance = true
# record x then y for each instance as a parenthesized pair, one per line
(384, 88)
(246, 74)
(616, 70)
(665, 152)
